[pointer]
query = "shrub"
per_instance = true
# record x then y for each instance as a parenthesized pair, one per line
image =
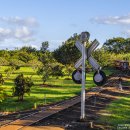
(22, 85)
(2, 92)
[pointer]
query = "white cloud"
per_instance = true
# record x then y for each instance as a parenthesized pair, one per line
(5, 33)
(121, 20)
(23, 34)
(30, 21)
(17, 28)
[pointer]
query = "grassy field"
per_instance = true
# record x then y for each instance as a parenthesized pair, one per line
(118, 113)
(63, 89)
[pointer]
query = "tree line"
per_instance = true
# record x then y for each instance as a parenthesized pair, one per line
(59, 62)
(66, 54)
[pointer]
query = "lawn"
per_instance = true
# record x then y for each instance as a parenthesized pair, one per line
(41, 95)
(118, 114)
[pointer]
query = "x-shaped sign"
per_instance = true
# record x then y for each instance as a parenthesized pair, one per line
(88, 56)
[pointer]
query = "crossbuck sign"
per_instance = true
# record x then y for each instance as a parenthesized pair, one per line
(88, 56)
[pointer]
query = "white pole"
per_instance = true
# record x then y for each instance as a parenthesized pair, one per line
(84, 37)
(83, 84)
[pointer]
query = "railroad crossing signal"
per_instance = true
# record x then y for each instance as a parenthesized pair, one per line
(88, 56)
(79, 76)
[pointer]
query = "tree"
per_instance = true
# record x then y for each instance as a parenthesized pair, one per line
(25, 57)
(116, 45)
(68, 70)
(16, 62)
(28, 49)
(126, 47)
(13, 67)
(45, 72)
(46, 69)
(44, 46)
(35, 64)
(22, 85)
(3, 61)
(2, 92)
(103, 57)
(1, 79)
(57, 70)
(67, 53)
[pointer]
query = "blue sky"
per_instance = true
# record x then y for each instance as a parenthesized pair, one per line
(30, 22)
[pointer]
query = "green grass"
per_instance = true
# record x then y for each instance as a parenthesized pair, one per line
(118, 112)
(126, 83)
(63, 89)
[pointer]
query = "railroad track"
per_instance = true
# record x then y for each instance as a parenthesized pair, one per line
(10, 118)
(114, 78)
(29, 118)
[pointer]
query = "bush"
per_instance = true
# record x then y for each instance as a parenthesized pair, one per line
(57, 70)
(103, 57)
(2, 94)
(16, 62)
(3, 62)
(35, 64)
(22, 85)
(1, 79)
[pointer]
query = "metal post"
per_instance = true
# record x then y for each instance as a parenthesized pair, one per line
(83, 83)
(84, 37)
